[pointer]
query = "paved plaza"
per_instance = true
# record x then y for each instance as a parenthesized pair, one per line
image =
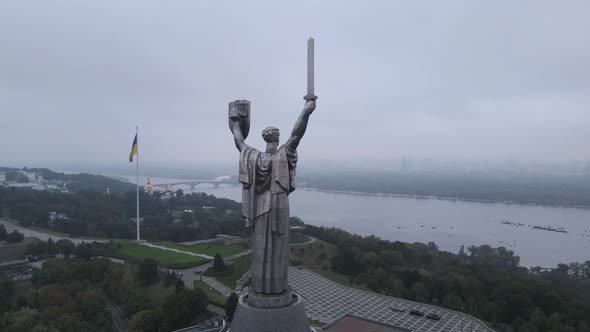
(326, 301)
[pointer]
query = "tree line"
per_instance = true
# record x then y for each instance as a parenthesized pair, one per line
(92, 213)
(485, 282)
(76, 294)
(513, 187)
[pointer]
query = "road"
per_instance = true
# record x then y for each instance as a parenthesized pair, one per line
(311, 240)
(28, 232)
(119, 324)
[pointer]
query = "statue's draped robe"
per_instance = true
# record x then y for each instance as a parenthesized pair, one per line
(267, 180)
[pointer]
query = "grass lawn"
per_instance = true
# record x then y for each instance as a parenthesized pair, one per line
(128, 250)
(205, 249)
(298, 239)
(240, 266)
(49, 231)
(214, 296)
(15, 251)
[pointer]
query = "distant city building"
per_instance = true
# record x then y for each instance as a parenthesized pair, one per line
(30, 175)
(2, 176)
(38, 186)
(168, 192)
(52, 187)
(56, 216)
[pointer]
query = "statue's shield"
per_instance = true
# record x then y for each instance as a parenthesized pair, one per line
(241, 108)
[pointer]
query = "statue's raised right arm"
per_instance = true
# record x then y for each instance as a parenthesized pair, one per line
(300, 125)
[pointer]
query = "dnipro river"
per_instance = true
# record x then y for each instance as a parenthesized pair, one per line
(448, 223)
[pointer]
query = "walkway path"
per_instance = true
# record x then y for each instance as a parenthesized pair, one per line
(194, 273)
(217, 285)
(176, 250)
(216, 309)
(311, 240)
(119, 324)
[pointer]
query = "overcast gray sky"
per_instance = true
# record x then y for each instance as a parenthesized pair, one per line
(466, 80)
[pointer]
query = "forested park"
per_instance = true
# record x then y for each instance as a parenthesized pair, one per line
(483, 281)
(79, 294)
(98, 214)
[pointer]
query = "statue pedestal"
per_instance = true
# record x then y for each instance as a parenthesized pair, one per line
(264, 301)
(288, 318)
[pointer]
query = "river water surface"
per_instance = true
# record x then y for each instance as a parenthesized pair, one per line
(448, 223)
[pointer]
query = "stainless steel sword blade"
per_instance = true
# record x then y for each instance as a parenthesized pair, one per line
(310, 71)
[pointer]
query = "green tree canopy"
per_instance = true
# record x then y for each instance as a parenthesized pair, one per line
(148, 271)
(230, 305)
(147, 321)
(35, 248)
(2, 232)
(181, 308)
(14, 237)
(218, 263)
(65, 247)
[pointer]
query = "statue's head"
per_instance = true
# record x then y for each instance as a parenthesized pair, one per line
(270, 135)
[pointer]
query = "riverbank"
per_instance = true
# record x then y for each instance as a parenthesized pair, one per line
(143, 179)
(461, 199)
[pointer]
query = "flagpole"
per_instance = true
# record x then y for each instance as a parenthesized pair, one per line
(137, 186)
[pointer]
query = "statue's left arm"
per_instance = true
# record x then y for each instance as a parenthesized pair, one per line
(300, 126)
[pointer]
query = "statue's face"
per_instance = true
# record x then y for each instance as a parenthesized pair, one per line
(270, 134)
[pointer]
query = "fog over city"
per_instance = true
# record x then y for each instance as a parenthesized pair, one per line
(452, 80)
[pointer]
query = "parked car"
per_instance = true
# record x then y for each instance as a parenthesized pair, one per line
(417, 313)
(179, 274)
(396, 307)
(433, 316)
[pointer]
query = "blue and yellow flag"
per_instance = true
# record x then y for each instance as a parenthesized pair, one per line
(133, 149)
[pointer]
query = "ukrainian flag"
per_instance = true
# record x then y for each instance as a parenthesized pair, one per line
(133, 149)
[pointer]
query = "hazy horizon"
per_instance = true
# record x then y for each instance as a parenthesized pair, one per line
(470, 82)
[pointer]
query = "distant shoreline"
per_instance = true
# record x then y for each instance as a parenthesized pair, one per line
(445, 198)
(471, 200)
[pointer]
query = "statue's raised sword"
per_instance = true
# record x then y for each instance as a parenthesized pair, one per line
(310, 93)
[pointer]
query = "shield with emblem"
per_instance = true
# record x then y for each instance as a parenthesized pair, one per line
(241, 110)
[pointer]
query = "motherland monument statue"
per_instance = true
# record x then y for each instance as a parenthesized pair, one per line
(267, 179)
